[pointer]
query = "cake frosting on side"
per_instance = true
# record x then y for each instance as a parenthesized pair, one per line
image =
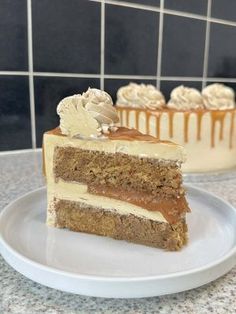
(205, 124)
(116, 182)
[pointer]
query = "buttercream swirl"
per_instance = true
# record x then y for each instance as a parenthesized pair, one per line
(218, 97)
(140, 96)
(87, 114)
(185, 98)
(100, 105)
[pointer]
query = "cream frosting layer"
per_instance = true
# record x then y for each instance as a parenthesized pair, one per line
(156, 150)
(74, 191)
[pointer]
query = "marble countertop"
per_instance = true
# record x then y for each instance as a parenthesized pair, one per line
(20, 172)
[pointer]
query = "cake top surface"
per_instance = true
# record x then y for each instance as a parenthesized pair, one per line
(123, 140)
(119, 134)
(93, 116)
(89, 119)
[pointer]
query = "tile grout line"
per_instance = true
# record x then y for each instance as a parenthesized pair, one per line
(221, 79)
(221, 21)
(24, 73)
(198, 79)
(130, 5)
(180, 78)
(31, 78)
(79, 75)
(207, 43)
(145, 77)
(185, 14)
(160, 40)
(167, 11)
(102, 52)
(118, 76)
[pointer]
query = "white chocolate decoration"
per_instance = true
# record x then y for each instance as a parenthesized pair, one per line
(218, 97)
(185, 98)
(140, 96)
(87, 114)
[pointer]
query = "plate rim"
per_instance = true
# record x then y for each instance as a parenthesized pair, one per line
(210, 176)
(119, 279)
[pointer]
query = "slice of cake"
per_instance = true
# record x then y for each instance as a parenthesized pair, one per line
(110, 181)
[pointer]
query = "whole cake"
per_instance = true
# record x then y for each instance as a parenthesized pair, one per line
(204, 123)
(113, 181)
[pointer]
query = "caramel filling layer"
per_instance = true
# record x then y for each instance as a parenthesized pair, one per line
(172, 209)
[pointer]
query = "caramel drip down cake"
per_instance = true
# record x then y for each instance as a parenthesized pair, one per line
(203, 122)
(113, 181)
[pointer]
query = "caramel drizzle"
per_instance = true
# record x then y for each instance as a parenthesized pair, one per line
(186, 123)
(158, 129)
(215, 116)
(231, 129)
(199, 125)
(127, 117)
(171, 119)
(148, 115)
(136, 119)
(120, 110)
(220, 117)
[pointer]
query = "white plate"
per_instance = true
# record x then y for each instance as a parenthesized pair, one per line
(98, 266)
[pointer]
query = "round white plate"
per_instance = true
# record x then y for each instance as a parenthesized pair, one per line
(103, 267)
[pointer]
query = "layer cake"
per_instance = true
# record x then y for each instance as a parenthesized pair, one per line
(113, 181)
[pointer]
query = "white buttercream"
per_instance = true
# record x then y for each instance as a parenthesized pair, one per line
(157, 150)
(86, 114)
(140, 96)
(100, 106)
(185, 98)
(218, 97)
(75, 119)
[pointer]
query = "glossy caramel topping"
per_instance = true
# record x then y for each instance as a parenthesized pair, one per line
(126, 134)
(122, 133)
(56, 131)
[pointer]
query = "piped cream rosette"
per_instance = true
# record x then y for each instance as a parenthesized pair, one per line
(140, 96)
(88, 114)
(185, 98)
(218, 97)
